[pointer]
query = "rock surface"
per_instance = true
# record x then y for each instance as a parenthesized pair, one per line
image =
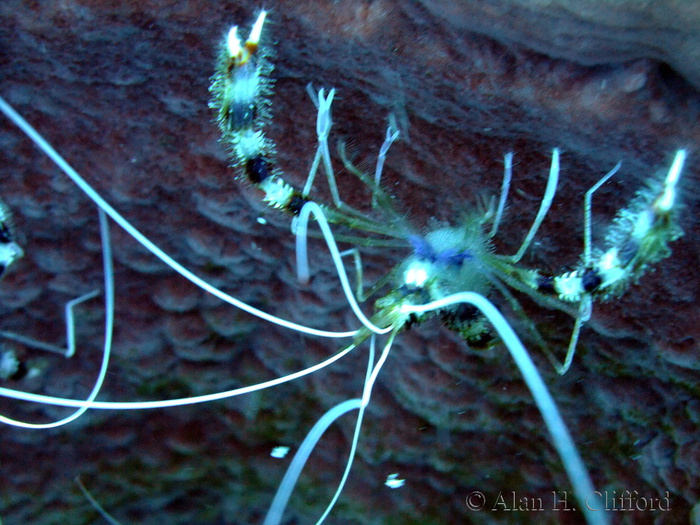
(120, 89)
(589, 32)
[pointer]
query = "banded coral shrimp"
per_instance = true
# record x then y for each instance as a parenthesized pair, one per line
(309, 347)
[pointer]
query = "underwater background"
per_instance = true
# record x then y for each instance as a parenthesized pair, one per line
(121, 90)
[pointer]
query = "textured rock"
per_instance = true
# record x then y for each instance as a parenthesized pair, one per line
(121, 90)
(590, 32)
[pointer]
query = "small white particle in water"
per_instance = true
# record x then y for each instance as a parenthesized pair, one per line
(279, 452)
(393, 481)
(262, 220)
